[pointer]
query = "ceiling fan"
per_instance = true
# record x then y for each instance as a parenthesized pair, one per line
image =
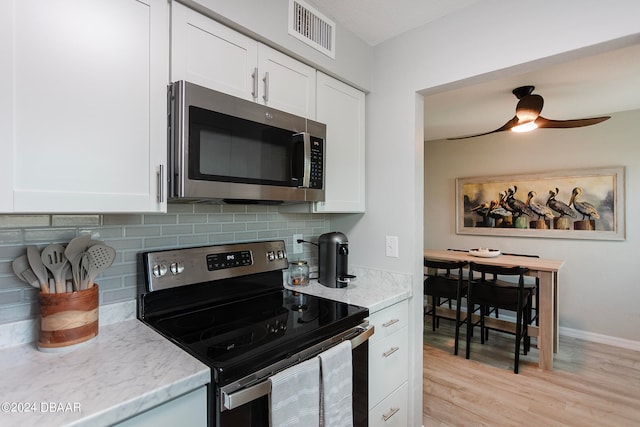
(528, 115)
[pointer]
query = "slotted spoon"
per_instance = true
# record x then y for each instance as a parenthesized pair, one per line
(53, 258)
(99, 258)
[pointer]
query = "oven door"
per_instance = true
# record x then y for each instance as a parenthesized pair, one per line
(248, 404)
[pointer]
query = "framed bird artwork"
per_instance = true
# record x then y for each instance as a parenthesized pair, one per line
(570, 204)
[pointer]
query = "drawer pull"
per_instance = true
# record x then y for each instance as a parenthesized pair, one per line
(390, 414)
(390, 351)
(390, 322)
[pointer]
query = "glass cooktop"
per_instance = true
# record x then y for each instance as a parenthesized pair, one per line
(240, 337)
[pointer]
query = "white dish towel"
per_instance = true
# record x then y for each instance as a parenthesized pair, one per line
(295, 395)
(336, 388)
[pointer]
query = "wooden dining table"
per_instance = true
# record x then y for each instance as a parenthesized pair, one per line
(547, 271)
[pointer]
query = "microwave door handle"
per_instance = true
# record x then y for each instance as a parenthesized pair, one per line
(306, 179)
(301, 159)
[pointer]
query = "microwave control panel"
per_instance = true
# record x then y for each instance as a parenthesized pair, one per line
(317, 163)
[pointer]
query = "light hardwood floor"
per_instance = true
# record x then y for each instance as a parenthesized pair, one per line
(591, 384)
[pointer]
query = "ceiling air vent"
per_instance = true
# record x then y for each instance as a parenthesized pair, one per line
(312, 27)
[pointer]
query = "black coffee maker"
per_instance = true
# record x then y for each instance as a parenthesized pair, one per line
(333, 260)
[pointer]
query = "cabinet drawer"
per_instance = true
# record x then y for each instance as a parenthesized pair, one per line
(389, 320)
(392, 411)
(388, 367)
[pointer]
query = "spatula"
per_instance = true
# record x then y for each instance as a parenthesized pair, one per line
(76, 246)
(22, 269)
(53, 258)
(35, 261)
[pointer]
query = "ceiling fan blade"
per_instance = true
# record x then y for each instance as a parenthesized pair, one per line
(507, 126)
(576, 123)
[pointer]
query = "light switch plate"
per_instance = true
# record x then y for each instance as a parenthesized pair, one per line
(391, 246)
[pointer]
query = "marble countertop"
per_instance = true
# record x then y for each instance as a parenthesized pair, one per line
(127, 369)
(374, 289)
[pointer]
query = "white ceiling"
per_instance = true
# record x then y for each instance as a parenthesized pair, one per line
(598, 85)
(375, 21)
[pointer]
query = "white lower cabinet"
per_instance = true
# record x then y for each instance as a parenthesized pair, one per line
(388, 366)
(187, 410)
(392, 411)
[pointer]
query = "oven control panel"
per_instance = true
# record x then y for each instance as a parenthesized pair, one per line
(228, 260)
(181, 267)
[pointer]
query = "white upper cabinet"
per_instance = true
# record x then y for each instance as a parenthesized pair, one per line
(286, 84)
(210, 54)
(342, 108)
(88, 109)
(6, 108)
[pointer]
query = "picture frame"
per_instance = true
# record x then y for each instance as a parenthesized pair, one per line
(483, 204)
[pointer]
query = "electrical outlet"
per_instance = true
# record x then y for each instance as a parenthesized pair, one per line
(392, 246)
(297, 247)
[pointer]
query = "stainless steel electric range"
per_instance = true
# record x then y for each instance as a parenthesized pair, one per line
(227, 306)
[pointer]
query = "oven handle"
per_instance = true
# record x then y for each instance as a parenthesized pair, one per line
(236, 399)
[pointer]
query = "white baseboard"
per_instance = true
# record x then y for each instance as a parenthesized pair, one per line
(587, 336)
(599, 338)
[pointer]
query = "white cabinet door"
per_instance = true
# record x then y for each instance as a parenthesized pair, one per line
(342, 109)
(89, 108)
(388, 359)
(209, 54)
(388, 365)
(392, 411)
(285, 83)
(6, 108)
(187, 410)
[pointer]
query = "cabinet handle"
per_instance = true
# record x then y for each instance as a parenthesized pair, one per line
(254, 78)
(160, 177)
(390, 414)
(390, 351)
(266, 87)
(390, 322)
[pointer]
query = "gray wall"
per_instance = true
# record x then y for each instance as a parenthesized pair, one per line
(598, 284)
(183, 226)
(481, 39)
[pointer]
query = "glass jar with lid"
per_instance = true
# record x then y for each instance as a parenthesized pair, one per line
(298, 273)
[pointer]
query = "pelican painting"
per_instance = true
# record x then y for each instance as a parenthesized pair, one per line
(584, 208)
(560, 207)
(544, 205)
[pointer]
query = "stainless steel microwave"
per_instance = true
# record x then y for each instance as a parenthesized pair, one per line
(227, 149)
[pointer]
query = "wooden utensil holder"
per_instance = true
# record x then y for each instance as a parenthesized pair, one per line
(67, 319)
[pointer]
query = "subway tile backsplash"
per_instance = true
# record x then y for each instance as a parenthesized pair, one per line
(129, 234)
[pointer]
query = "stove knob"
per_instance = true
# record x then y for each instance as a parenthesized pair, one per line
(270, 328)
(159, 270)
(176, 267)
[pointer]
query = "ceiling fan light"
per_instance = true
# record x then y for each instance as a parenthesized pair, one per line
(525, 127)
